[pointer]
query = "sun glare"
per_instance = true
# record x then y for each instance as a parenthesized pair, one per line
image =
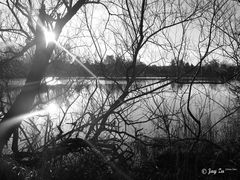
(52, 108)
(49, 36)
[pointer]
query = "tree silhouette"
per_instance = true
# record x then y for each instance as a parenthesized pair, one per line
(40, 61)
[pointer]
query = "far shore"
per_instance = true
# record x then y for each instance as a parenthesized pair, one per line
(179, 80)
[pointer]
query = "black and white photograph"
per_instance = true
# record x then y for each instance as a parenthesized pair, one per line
(119, 89)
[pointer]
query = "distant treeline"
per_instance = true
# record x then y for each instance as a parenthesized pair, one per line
(116, 67)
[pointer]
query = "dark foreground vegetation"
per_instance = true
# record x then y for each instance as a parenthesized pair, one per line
(76, 159)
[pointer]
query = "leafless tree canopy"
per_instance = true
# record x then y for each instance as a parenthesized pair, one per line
(118, 119)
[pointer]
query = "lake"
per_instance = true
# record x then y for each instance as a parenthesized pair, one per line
(72, 104)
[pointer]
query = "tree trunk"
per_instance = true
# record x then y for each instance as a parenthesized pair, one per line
(15, 141)
(25, 99)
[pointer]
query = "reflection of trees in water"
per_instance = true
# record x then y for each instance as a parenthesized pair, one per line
(177, 86)
(8, 94)
(89, 101)
(58, 92)
(213, 86)
(210, 106)
(112, 87)
(97, 101)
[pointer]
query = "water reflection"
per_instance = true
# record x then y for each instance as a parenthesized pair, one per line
(113, 88)
(74, 104)
(177, 86)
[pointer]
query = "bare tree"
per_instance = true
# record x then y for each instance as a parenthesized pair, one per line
(51, 18)
(106, 118)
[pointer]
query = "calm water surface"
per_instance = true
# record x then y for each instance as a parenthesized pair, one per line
(68, 98)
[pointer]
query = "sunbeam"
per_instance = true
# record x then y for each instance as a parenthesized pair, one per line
(49, 108)
(75, 59)
(51, 37)
(17, 119)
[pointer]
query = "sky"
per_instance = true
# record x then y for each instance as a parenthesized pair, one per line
(109, 37)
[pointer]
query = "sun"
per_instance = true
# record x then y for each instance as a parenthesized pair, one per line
(49, 36)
